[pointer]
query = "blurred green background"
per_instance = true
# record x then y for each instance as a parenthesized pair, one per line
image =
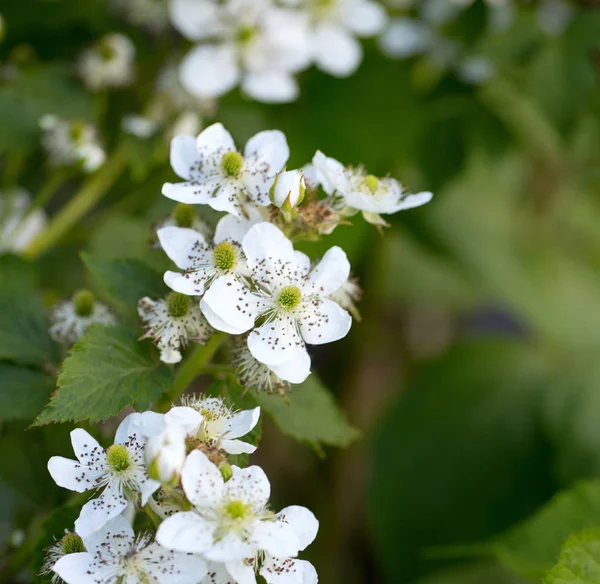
(473, 376)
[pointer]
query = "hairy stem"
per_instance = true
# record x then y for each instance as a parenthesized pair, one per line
(191, 367)
(90, 194)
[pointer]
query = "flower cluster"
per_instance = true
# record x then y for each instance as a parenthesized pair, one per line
(246, 279)
(262, 44)
(211, 519)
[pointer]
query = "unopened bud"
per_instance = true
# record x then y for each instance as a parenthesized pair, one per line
(165, 455)
(288, 190)
(226, 471)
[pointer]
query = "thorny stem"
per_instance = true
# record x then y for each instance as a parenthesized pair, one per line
(191, 367)
(90, 194)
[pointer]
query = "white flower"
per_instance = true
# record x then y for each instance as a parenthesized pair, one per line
(288, 190)
(165, 454)
(71, 318)
(406, 37)
(184, 215)
(70, 143)
(120, 470)
(257, 45)
(252, 374)
(18, 224)
(150, 14)
(115, 555)
(275, 570)
(209, 421)
(70, 543)
(172, 323)
(230, 520)
(347, 295)
(218, 175)
(139, 126)
(109, 63)
(336, 23)
(358, 190)
(291, 300)
(203, 262)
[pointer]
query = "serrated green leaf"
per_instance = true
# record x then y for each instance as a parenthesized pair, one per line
(310, 414)
(106, 371)
(24, 336)
(23, 392)
(532, 547)
(579, 561)
(124, 282)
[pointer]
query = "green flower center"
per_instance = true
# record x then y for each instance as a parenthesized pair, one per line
(225, 256)
(179, 304)
(289, 297)
(71, 543)
(107, 50)
(117, 458)
(246, 33)
(232, 163)
(83, 302)
(371, 183)
(183, 215)
(237, 509)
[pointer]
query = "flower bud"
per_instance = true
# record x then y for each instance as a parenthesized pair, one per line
(165, 454)
(288, 190)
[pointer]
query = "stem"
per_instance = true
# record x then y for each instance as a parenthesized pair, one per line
(188, 371)
(48, 190)
(90, 194)
(154, 518)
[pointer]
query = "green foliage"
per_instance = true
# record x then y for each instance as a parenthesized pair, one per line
(16, 273)
(458, 458)
(309, 414)
(532, 547)
(579, 561)
(23, 392)
(124, 282)
(24, 327)
(106, 371)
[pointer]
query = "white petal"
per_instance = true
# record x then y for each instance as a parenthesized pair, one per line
(72, 475)
(190, 283)
(237, 447)
(218, 574)
(76, 568)
(228, 197)
(412, 201)
(116, 529)
(336, 52)
(331, 272)
(147, 487)
(303, 522)
(214, 141)
(241, 572)
(230, 548)
(210, 70)
(266, 246)
(217, 322)
(195, 19)
(275, 341)
(185, 157)
(268, 148)
(232, 228)
(241, 423)
(201, 480)
(386, 205)
(330, 173)
(185, 532)
(364, 18)
(271, 87)
(85, 447)
(185, 247)
(192, 193)
(170, 355)
(326, 322)
(288, 571)
(171, 567)
(97, 512)
(296, 370)
(404, 38)
(141, 425)
(232, 302)
(188, 419)
(276, 538)
(249, 485)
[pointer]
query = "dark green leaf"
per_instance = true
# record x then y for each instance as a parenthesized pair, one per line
(16, 273)
(23, 392)
(106, 371)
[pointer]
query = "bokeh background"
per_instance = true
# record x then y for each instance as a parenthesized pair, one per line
(473, 376)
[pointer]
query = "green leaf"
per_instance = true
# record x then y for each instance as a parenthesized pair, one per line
(310, 414)
(106, 371)
(458, 458)
(124, 282)
(16, 273)
(24, 336)
(23, 392)
(579, 561)
(532, 547)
